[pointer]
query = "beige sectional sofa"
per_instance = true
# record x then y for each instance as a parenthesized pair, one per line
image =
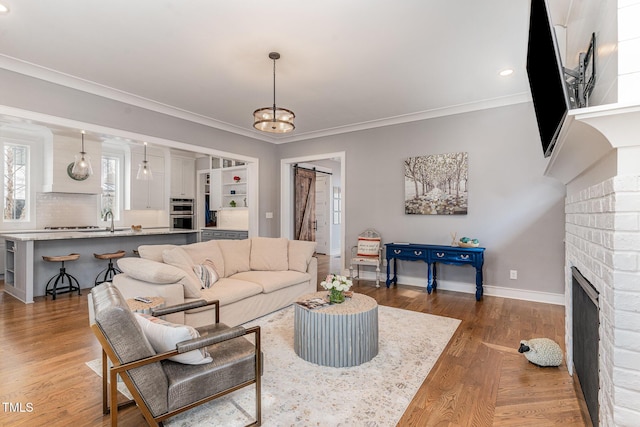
(251, 277)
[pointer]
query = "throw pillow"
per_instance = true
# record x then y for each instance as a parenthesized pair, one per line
(163, 336)
(206, 273)
(150, 271)
(179, 258)
(300, 254)
(269, 254)
(153, 252)
(368, 247)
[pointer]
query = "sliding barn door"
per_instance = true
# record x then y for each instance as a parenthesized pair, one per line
(305, 204)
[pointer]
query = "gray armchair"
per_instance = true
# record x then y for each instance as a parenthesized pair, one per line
(160, 387)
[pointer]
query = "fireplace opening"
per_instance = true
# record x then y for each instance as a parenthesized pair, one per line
(586, 340)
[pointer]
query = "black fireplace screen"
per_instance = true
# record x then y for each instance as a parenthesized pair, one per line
(586, 339)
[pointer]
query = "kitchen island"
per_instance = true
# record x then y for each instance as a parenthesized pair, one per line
(26, 273)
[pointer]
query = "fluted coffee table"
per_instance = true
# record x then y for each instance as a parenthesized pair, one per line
(337, 335)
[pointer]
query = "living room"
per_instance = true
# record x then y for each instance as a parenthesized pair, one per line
(516, 208)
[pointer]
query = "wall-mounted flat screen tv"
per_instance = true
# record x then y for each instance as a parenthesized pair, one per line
(546, 76)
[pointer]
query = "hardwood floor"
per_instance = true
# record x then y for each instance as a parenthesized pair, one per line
(480, 380)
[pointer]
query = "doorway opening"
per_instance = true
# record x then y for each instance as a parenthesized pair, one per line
(329, 212)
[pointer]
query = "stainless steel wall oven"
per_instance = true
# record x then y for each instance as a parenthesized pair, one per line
(181, 214)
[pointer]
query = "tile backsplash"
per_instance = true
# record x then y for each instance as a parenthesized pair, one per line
(66, 210)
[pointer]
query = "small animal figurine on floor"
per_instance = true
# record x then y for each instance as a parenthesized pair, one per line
(541, 351)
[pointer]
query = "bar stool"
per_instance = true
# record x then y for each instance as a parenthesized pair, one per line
(110, 271)
(61, 276)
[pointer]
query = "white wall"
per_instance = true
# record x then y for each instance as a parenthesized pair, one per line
(517, 214)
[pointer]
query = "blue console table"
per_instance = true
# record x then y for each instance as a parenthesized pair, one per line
(432, 254)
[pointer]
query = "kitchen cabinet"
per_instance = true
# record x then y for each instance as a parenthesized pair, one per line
(149, 194)
(209, 234)
(3, 256)
(59, 153)
(183, 177)
(215, 190)
(225, 192)
(17, 276)
(234, 187)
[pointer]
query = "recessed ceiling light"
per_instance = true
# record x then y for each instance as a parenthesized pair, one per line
(506, 72)
(4, 8)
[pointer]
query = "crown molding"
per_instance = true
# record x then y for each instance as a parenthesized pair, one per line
(67, 80)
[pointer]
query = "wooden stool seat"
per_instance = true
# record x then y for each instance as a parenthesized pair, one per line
(114, 255)
(61, 258)
(107, 274)
(72, 284)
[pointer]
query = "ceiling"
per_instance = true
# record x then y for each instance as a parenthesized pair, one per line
(345, 65)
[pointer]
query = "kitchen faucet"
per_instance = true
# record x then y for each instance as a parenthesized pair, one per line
(109, 214)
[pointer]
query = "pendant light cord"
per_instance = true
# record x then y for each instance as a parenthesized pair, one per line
(274, 90)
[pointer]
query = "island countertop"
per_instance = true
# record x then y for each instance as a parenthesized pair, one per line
(27, 272)
(88, 234)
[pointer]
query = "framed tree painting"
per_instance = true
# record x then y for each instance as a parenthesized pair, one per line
(436, 184)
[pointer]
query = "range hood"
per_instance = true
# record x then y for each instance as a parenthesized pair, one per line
(59, 153)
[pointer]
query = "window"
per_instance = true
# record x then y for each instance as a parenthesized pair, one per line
(337, 205)
(111, 185)
(16, 183)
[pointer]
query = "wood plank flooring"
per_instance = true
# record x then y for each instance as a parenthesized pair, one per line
(480, 380)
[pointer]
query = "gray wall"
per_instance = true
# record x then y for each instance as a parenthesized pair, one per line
(27, 93)
(516, 212)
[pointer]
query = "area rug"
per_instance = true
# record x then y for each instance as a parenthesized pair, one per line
(299, 393)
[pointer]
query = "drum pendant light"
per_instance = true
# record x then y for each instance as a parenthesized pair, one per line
(274, 119)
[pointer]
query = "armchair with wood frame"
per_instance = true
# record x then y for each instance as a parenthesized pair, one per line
(163, 388)
(368, 252)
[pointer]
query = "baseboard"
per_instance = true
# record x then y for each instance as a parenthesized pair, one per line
(470, 288)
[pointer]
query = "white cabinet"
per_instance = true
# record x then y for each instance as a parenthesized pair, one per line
(183, 177)
(149, 194)
(227, 185)
(234, 187)
(215, 190)
(3, 256)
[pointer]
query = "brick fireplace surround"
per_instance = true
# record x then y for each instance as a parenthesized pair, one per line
(603, 242)
(597, 157)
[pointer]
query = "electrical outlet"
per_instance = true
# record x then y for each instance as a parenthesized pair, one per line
(513, 274)
(269, 215)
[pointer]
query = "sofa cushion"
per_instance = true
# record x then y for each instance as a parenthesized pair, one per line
(202, 251)
(150, 271)
(153, 252)
(236, 254)
(163, 336)
(269, 254)
(178, 257)
(271, 281)
(300, 254)
(234, 362)
(229, 290)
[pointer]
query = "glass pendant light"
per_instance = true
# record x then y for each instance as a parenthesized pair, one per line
(144, 173)
(82, 165)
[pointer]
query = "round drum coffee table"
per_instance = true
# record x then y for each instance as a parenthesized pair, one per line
(337, 335)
